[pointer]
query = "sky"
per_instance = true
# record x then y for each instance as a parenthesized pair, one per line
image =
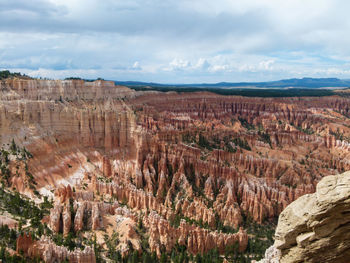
(178, 41)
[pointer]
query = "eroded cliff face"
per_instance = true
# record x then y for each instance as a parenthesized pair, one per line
(315, 227)
(142, 165)
(63, 122)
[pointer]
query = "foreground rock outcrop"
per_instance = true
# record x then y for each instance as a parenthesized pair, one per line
(315, 227)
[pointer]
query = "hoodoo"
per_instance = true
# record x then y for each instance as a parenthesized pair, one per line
(103, 172)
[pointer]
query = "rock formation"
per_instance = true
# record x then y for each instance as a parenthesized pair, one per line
(196, 239)
(315, 227)
(50, 253)
(196, 164)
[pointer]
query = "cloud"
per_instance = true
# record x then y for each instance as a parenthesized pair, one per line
(202, 64)
(136, 66)
(176, 41)
(178, 64)
(266, 65)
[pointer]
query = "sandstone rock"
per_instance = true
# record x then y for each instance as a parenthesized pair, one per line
(272, 255)
(56, 218)
(196, 239)
(114, 144)
(49, 252)
(79, 217)
(64, 193)
(67, 220)
(106, 166)
(92, 212)
(314, 228)
(95, 217)
(23, 243)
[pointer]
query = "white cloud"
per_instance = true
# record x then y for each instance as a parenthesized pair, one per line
(178, 64)
(266, 65)
(216, 68)
(202, 64)
(136, 66)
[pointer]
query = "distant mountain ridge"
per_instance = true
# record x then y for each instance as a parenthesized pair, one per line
(312, 83)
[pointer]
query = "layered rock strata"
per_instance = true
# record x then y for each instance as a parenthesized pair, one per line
(213, 161)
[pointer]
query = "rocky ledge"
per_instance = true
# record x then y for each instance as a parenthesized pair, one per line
(315, 227)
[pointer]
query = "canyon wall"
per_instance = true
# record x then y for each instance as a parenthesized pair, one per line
(199, 165)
